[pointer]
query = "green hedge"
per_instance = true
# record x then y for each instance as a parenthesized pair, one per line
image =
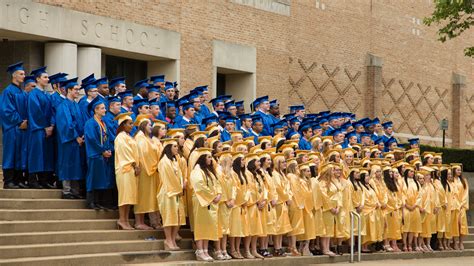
(452, 155)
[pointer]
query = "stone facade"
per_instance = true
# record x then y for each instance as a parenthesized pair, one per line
(369, 57)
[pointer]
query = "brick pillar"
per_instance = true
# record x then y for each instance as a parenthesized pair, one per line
(458, 122)
(374, 85)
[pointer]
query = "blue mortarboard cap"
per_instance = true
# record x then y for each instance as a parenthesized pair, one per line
(336, 132)
(257, 118)
(279, 125)
(187, 105)
(312, 116)
(387, 124)
(140, 102)
(204, 88)
(153, 88)
(70, 83)
(351, 134)
(307, 120)
(29, 79)
(140, 84)
(210, 119)
(315, 126)
(368, 123)
(239, 103)
(226, 97)
(414, 141)
(288, 116)
(376, 121)
(102, 81)
(113, 99)
(333, 116)
(274, 103)
(346, 125)
(168, 104)
(155, 102)
(37, 72)
(364, 134)
(57, 78)
(323, 119)
(296, 108)
(90, 85)
(358, 124)
(304, 126)
(294, 119)
(193, 96)
(96, 101)
(245, 116)
(390, 140)
(324, 113)
(168, 85)
(229, 104)
(291, 134)
(158, 78)
(175, 84)
(88, 79)
(116, 81)
(181, 101)
(216, 101)
(127, 93)
(259, 100)
(378, 141)
(14, 67)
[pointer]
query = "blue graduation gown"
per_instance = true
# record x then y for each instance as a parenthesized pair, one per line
(205, 112)
(83, 103)
(70, 125)
(303, 144)
(40, 116)
(198, 117)
(11, 119)
(267, 123)
(180, 122)
(225, 135)
(246, 133)
(99, 174)
(21, 162)
(112, 126)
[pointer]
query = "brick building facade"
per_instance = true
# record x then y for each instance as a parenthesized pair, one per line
(370, 57)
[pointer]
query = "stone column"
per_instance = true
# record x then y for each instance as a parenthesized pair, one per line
(458, 122)
(89, 61)
(61, 57)
(374, 86)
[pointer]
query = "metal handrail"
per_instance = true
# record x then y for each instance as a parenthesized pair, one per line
(359, 240)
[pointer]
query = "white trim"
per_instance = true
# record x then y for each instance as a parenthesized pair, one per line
(470, 143)
(404, 135)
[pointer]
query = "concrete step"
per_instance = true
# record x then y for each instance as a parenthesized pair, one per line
(83, 236)
(469, 244)
(30, 193)
(471, 229)
(58, 214)
(187, 257)
(41, 204)
(56, 225)
(63, 249)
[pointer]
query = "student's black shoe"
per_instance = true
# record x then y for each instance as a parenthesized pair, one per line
(10, 186)
(68, 196)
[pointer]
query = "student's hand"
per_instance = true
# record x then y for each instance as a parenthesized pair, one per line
(23, 125)
(185, 184)
(80, 140)
(273, 202)
(230, 203)
(107, 154)
(217, 198)
(288, 202)
(137, 170)
(49, 131)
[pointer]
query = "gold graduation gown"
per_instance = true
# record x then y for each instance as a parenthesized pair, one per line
(256, 190)
(381, 191)
(283, 189)
(426, 204)
(239, 226)
(443, 211)
(358, 200)
(320, 229)
(187, 146)
(412, 219)
(455, 210)
(148, 179)
(392, 216)
(331, 198)
(193, 157)
(343, 217)
(159, 150)
(205, 189)
(370, 215)
(297, 206)
(126, 153)
(270, 211)
(228, 193)
(308, 215)
(170, 196)
(463, 197)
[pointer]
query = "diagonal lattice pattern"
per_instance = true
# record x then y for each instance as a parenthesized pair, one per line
(470, 117)
(320, 87)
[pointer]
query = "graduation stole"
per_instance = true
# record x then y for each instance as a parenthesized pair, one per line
(103, 130)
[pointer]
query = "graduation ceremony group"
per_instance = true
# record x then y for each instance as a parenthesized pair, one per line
(248, 185)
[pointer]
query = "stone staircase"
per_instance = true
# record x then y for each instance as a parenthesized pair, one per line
(37, 227)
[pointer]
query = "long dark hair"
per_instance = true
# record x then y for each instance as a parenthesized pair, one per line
(141, 128)
(209, 171)
(353, 181)
(362, 181)
(314, 171)
(199, 143)
(168, 153)
(121, 127)
(463, 180)
(253, 170)
(270, 168)
(444, 179)
(239, 170)
(405, 175)
(389, 181)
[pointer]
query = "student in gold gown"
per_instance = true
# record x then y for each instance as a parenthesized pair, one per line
(296, 206)
(463, 197)
(411, 216)
(227, 202)
(207, 193)
(127, 168)
(392, 231)
(444, 221)
(369, 210)
(269, 211)
(282, 186)
(358, 197)
(377, 182)
(148, 179)
(158, 132)
(455, 212)
(427, 209)
(170, 196)
(308, 216)
(258, 198)
(238, 215)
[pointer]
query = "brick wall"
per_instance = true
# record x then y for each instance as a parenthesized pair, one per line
(318, 55)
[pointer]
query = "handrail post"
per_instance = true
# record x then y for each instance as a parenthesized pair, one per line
(359, 227)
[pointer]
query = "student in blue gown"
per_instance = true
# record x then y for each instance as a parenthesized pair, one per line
(306, 133)
(274, 111)
(12, 125)
(205, 111)
(70, 135)
(85, 81)
(126, 98)
(90, 88)
(100, 180)
(232, 109)
(195, 99)
(228, 128)
(40, 135)
(155, 110)
(246, 125)
(187, 117)
(261, 106)
(257, 127)
(142, 89)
